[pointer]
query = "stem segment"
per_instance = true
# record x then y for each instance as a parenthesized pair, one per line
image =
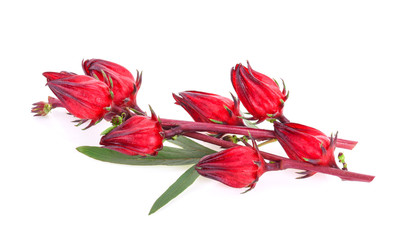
(177, 127)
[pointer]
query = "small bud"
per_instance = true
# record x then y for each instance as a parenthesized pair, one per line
(117, 120)
(341, 159)
(41, 108)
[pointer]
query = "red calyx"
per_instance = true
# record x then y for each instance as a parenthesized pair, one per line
(118, 78)
(83, 96)
(306, 144)
(209, 107)
(236, 167)
(139, 135)
(259, 94)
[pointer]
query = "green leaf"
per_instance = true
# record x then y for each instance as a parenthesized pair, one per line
(183, 182)
(189, 152)
(190, 145)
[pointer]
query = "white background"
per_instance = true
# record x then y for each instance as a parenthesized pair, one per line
(343, 62)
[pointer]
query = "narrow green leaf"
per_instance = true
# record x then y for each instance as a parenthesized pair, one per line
(190, 145)
(189, 153)
(167, 156)
(183, 182)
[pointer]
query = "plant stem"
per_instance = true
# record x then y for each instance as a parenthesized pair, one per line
(283, 119)
(183, 126)
(55, 102)
(176, 127)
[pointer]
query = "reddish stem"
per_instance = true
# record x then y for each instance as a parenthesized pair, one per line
(346, 144)
(283, 119)
(183, 127)
(180, 127)
(55, 102)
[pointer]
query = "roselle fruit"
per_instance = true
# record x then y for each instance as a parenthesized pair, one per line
(139, 135)
(209, 107)
(259, 94)
(118, 78)
(84, 97)
(306, 144)
(236, 167)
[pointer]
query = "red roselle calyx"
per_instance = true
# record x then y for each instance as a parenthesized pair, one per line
(306, 144)
(236, 167)
(118, 78)
(209, 107)
(83, 96)
(139, 135)
(259, 94)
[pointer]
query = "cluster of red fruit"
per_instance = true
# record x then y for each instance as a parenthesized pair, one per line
(108, 91)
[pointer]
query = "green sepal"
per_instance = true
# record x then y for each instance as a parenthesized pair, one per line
(104, 75)
(276, 82)
(271, 120)
(111, 82)
(109, 129)
(287, 95)
(230, 113)
(95, 76)
(215, 121)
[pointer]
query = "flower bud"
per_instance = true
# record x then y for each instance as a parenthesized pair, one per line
(43, 108)
(208, 107)
(139, 135)
(259, 94)
(237, 167)
(83, 96)
(118, 78)
(306, 144)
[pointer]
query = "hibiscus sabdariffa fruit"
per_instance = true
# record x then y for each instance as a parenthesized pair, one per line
(139, 135)
(209, 107)
(237, 167)
(84, 97)
(259, 93)
(306, 144)
(118, 78)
